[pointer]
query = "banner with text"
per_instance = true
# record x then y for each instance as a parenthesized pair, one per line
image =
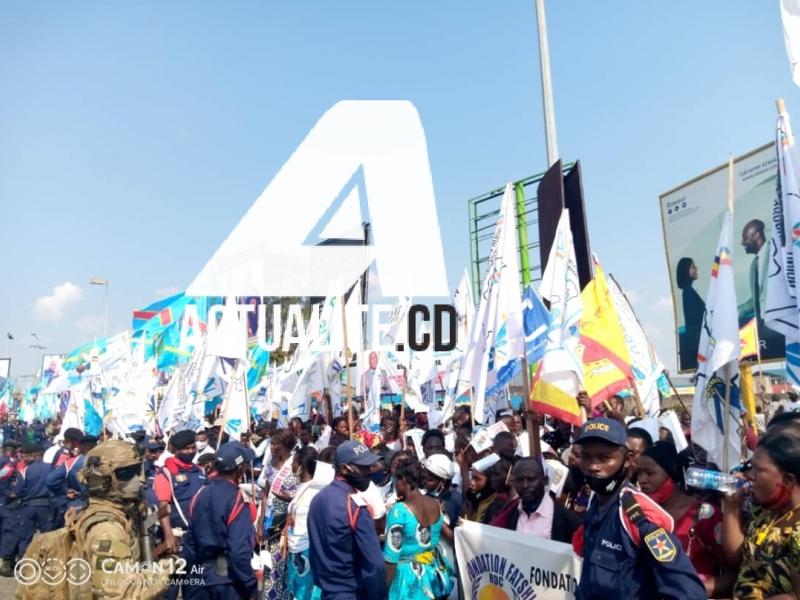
(498, 564)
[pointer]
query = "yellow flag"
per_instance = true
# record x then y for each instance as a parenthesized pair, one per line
(748, 340)
(746, 389)
(606, 361)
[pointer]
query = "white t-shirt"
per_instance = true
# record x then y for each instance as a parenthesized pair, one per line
(297, 537)
(50, 453)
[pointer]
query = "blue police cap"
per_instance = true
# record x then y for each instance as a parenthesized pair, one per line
(355, 453)
(230, 456)
(605, 430)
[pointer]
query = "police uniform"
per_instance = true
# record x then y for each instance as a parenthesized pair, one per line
(9, 508)
(35, 510)
(176, 484)
(642, 563)
(219, 542)
(344, 551)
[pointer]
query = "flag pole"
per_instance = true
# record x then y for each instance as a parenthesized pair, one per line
(531, 420)
(639, 405)
(347, 371)
(225, 403)
(403, 400)
(727, 406)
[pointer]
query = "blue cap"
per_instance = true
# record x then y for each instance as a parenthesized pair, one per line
(603, 429)
(153, 446)
(229, 456)
(355, 453)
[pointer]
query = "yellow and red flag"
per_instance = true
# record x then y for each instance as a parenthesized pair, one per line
(606, 360)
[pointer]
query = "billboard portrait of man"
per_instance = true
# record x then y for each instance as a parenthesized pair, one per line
(368, 376)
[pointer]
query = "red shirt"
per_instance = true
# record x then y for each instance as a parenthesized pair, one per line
(704, 544)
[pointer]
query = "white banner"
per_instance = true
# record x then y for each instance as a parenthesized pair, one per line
(497, 563)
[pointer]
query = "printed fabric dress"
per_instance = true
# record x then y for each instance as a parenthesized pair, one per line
(771, 556)
(421, 572)
(284, 482)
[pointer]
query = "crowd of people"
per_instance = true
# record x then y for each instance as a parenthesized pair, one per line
(327, 510)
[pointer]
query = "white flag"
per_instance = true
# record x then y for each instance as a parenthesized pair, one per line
(497, 338)
(465, 310)
(236, 411)
(645, 365)
(781, 311)
(561, 368)
(718, 357)
(790, 16)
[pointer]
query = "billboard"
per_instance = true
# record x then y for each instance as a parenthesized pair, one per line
(691, 216)
(5, 370)
(51, 367)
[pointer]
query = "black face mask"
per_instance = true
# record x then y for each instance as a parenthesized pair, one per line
(380, 478)
(186, 457)
(360, 482)
(606, 485)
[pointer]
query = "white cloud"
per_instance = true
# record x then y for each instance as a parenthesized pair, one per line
(663, 303)
(52, 307)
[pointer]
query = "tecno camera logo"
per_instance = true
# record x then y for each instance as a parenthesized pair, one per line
(52, 571)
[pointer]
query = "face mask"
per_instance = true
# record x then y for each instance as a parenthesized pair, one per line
(606, 485)
(665, 492)
(201, 446)
(186, 457)
(379, 478)
(131, 488)
(360, 482)
(779, 497)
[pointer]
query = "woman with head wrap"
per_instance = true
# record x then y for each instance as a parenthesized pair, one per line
(698, 524)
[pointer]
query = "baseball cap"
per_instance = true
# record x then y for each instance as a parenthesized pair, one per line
(229, 456)
(439, 466)
(10, 444)
(605, 430)
(153, 446)
(355, 453)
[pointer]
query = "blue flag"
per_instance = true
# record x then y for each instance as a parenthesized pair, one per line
(535, 322)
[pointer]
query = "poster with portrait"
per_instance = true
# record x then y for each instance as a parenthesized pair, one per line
(691, 216)
(51, 367)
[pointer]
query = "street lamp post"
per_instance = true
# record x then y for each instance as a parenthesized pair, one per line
(104, 283)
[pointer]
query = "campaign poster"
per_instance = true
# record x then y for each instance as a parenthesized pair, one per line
(691, 216)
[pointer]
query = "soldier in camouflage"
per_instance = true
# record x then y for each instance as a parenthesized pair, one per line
(106, 531)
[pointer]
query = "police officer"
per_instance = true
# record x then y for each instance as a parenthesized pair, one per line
(643, 562)
(68, 448)
(219, 542)
(9, 507)
(345, 554)
(35, 510)
(64, 483)
(175, 484)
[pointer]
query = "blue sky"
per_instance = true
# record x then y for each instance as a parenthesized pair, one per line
(133, 136)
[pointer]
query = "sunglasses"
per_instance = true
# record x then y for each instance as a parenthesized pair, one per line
(128, 473)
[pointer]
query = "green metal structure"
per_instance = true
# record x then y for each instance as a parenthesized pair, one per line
(483, 213)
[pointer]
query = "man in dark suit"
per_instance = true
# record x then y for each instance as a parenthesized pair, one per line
(534, 512)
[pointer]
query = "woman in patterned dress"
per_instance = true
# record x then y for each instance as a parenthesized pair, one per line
(279, 489)
(414, 567)
(769, 546)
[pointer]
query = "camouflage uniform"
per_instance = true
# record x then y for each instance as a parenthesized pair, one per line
(105, 534)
